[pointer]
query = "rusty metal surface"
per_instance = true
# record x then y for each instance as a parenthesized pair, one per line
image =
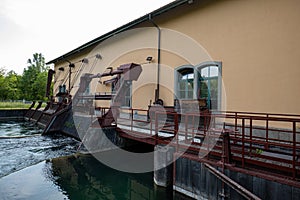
(240, 149)
(51, 72)
(234, 185)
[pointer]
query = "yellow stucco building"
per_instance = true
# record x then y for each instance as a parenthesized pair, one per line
(240, 55)
(215, 56)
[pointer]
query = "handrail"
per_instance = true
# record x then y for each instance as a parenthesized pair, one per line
(234, 185)
(258, 113)
(254, 140)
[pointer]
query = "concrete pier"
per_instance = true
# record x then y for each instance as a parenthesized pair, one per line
(163, 165)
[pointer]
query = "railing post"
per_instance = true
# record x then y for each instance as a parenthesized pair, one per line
(250, 135)
(177, 142)
(235, 122)
(235, 127)
(226, 152)
(205, 121)
(186, 125)
(174, 167)
(151, 126)
(175, 123)
(294, 149)
(211, 118)
(176, 128)
(193, 127)
(243, 142)
(156, 128)
(267, 133)
(131, 120)
(118, 115)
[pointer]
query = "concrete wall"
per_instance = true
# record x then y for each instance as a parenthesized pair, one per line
(193, 179)
(12, 114)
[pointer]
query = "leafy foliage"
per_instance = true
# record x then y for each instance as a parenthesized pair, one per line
(9, 85)
(30, 85)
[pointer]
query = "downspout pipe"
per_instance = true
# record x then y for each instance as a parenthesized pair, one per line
(158, 57)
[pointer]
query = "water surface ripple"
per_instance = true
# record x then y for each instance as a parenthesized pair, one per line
(22, 145)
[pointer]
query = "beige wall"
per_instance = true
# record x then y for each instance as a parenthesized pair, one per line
(257, 42)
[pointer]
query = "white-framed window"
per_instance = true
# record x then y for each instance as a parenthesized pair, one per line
(185, 83)
(200, 81)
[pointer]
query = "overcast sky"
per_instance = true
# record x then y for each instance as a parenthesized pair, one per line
(54, 27)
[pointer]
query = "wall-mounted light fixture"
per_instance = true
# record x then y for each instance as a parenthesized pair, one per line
(85, 61)
(61, 69)
(149, 59)
(98, 56)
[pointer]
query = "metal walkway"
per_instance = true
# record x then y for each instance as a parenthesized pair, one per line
(263, 145)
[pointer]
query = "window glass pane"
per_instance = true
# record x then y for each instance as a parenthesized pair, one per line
(190, 94)
(182, 85)
(182, 94)
(204, 72)
(190, 76)
(214, 87)
(185, 79)
(214, 71)
(209, 85)
(203, 89)
(190, 85)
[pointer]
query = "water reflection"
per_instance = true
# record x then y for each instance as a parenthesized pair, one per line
(30, 183)
(77, 176)
(80, 177)
(84, 177)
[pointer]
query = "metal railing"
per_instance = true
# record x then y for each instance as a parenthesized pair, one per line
(262, 141)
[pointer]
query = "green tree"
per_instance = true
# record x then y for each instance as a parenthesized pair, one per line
(38, 62)
(12, 80)
(34, 78)
(39, 86)
(2, 84)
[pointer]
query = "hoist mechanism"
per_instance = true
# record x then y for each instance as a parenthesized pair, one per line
(119, 85)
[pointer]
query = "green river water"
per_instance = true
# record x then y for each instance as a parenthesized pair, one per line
(36, 167)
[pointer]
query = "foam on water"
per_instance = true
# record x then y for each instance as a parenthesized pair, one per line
(22, 145)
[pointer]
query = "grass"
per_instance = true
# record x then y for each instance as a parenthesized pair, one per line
(17, 105)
